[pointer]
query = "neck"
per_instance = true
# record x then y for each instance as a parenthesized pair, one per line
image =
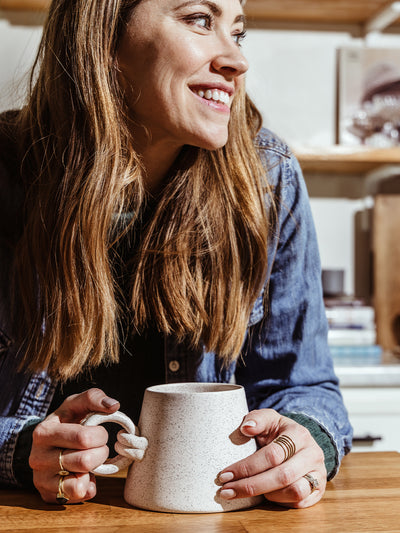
(157, 159)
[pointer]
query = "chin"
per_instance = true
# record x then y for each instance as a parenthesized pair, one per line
(212, 142)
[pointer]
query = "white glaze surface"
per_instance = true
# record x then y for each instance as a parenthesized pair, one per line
(189, 433)
(193, 433)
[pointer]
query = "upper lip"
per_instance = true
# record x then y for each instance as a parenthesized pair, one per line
(213, 85)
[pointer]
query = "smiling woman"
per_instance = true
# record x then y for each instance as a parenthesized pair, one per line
(158, 233)
(196, 70)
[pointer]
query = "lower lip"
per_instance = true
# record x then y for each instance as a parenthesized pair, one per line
(218, 106)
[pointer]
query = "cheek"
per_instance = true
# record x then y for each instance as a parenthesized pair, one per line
(182, 57)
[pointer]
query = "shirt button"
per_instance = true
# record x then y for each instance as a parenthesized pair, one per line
(174, 366)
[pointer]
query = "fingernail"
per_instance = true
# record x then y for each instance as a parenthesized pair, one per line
(249, 424)
(227, 494)
(225, 477)
(108, 402)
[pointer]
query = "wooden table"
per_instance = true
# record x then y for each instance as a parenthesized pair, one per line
(365, 496)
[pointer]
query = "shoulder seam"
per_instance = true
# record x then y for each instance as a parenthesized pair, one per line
(266, 140)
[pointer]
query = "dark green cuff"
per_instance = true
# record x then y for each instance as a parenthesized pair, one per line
(322, 438)
(22, 471)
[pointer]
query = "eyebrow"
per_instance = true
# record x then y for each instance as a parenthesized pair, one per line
(213, 7)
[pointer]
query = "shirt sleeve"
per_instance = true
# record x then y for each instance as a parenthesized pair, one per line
(22, 471)
(24, 401)
(286, 363)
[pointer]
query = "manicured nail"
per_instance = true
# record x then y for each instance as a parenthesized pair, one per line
(108, 402)
(225, 477)
(227, 494)
(249, 424)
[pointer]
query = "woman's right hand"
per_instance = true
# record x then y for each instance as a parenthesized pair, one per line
(83, 447)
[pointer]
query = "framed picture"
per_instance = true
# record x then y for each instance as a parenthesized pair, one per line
(368, 96)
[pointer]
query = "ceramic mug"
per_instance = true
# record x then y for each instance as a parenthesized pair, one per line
(189, 432)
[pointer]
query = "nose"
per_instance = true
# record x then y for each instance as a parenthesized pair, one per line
(229, 60)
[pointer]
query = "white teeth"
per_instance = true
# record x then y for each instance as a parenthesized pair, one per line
(214, 94)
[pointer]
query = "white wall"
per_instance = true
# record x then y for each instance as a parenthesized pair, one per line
(291, 79)
(18, 46)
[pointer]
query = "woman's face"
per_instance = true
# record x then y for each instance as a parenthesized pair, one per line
(180, 65)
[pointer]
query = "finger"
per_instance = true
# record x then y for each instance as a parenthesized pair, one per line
(261, 422)
(50, 434)
(72, 461)
(271, 480)
(300, 494)
(269, 456)
(85, 461)
(76, 407)
(76, 487)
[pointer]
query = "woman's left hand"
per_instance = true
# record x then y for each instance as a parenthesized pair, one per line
(269, 471)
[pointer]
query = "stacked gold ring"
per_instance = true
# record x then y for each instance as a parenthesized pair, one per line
(62, 471)
(287, 445)
(61, 497)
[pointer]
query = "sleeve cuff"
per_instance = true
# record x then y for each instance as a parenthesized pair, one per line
(321, 437)
(22, 471)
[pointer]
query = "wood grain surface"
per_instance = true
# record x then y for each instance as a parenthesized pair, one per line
(365, 496)
(327, 11)
(386, 253)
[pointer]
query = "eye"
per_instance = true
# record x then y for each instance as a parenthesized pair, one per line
(238, 37)
(202, 20)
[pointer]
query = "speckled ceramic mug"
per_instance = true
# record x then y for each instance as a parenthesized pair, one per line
(189, 433)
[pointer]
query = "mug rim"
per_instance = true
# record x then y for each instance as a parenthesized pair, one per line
(193, 387)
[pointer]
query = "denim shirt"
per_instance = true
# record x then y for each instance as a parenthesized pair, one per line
(285, 362)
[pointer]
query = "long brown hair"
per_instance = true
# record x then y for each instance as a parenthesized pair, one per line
(202, 259)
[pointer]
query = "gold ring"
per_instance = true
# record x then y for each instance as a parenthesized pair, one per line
(287, 445)
(314, 483)
(61, 497)
(62, 471)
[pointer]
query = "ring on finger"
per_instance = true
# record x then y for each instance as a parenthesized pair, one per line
(61, 497)
(62, 471)
(314, 483)
(287, 445)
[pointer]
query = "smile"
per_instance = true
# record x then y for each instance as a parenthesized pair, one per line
(214, 94)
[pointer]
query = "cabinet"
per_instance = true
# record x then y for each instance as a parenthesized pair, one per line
(375, 416)
(372, 397)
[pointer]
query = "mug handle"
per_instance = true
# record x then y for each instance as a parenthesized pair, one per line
(129, 446)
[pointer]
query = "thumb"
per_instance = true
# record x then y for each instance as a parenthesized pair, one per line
(249, 427)
(76, 407)
(262, 421)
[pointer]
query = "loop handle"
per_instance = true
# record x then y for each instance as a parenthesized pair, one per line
(129, 446)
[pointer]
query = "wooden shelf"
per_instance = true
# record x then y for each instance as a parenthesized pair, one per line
(345, 160)
(276, 11)
(24, 5)
(315, 11)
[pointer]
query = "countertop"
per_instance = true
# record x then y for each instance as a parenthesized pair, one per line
(380, 375)
(383, 374)
(363, 497)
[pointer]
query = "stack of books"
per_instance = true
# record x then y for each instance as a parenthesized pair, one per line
(352, 332)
